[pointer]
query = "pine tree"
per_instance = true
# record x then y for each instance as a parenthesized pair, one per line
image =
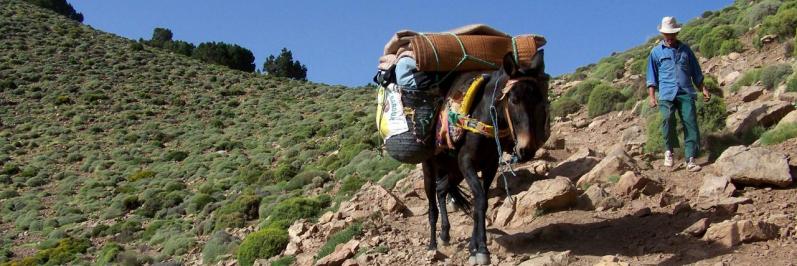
(284, 66)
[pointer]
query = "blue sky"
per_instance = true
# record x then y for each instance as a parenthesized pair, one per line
(340, 41)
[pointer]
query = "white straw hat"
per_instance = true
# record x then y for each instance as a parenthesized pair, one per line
(669, 25)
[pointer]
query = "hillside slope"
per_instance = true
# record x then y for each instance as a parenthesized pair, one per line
(125, 151)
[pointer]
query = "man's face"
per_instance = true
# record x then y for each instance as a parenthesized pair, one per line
(670, 38)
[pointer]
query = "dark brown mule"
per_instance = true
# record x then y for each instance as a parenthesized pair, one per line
(515, 96)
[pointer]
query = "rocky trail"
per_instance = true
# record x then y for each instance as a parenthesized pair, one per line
(593, 197)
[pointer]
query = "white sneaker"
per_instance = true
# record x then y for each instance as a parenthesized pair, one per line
(668, 158)
(691, 166)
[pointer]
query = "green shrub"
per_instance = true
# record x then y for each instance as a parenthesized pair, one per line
(177, 156)
(284, 261)
(609, 68)
(604, 99)
(220, 243)
(760, 10)
(142, 174)
(262, 244)
(61, 7)
(772, 75)
(178, 245)
(63, 253)
(236, 213)
(791, 85)
(564, 106)
(341, 237)
(722, 36)
(779, 134)
(580, 93)
(290, 210)
(655, 140)
(748, 78)
(108, 253)
(783, 23)
(198, 201)
(711, 115)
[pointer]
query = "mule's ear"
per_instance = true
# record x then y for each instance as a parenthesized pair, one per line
(538, 63)
(510, 67)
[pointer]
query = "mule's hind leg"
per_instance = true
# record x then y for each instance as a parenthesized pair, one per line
(429, 175)
(442, 191)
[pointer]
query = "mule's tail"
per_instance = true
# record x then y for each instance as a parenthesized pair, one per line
(459, 199)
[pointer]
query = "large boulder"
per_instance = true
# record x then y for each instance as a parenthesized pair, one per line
(549, 194)
(752, 114)
(731, 233)
(372, 198)
(634, 136)
(754, 166)
(729, 78)
(791, 117)
(592, 197)
(576, 165)
(613, 165)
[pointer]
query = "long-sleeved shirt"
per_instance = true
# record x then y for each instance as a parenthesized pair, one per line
(673, 70)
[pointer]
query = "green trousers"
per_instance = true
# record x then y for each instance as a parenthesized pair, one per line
(684, 104)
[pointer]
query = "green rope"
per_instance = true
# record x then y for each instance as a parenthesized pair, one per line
(434, 50)
(514, 50)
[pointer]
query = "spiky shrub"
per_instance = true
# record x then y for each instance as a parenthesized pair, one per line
(262, 244)
(604, 99)
(779, 134)
(772, 75)
(564, 106)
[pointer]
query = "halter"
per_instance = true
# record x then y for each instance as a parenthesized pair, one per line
(494, 117)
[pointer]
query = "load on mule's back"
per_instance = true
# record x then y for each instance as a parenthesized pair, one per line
(416, 71)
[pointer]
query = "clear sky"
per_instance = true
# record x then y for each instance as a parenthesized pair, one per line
(340, 41)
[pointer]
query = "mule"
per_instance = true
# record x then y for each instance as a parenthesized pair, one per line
(516, 97)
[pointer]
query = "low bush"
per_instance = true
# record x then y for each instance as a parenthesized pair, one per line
(604, 99)
(63, 253)
(220, 243)
(564, 106)
(262, 244)
(779, 134)
(341, 237)
(290, 210)
(142, 174)
(236, 213)
(108, 253)
(580, 93)
(772, 75)
(748, 78)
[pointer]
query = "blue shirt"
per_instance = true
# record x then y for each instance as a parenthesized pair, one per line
(673, 70)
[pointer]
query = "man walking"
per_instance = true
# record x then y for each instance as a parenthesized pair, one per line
(673, 70)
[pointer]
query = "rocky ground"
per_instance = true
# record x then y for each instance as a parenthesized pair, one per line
(592, 197)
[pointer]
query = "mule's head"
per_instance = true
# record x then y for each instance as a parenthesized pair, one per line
(525, 104)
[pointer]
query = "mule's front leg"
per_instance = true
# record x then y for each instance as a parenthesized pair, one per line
(429, 186)
(478, 248)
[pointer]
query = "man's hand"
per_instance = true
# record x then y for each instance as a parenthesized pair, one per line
(652, 97)
(706, 94)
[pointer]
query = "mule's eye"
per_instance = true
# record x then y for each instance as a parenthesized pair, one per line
(514, 100)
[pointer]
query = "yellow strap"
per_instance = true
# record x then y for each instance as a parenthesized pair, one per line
(464, 108)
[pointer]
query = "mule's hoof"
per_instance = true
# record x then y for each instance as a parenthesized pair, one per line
(432, 246)
(482, 259)
(446, 240)
(472, 260)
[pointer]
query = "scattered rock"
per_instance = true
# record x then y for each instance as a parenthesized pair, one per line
(642, 212)
(576, 165)
(590, 199)
(754, 166)
(715, 187)
(769, 38)
(372, 198)
(752, 114)
(634, 135)
(729, 78)
(555, 143)
(630, 183)
(734, 56)
(435, 255)
(350, 262)
(541, 153)
(596, 123)
(580, 123)
(698, 228)
(610, 260)
(609, 203)
(731, 233)
(341, 254)
(551, 258)
(750, 93)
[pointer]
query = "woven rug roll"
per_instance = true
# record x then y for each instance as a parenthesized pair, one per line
(525, 47)
(442, 52)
